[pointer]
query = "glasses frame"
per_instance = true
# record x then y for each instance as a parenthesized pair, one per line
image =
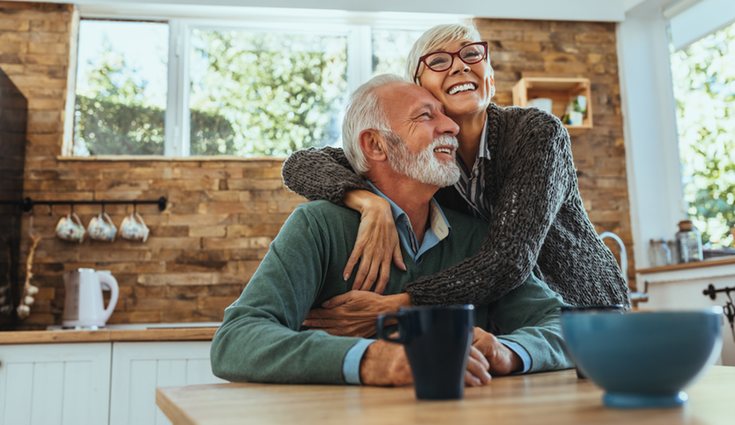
(422, 59)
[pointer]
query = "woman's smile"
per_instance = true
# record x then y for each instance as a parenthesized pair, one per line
(464, 89)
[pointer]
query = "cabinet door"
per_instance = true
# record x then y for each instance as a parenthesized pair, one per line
(54, 384)
(139, 367)
(679, 291)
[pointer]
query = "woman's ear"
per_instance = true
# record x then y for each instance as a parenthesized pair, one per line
(372, 144)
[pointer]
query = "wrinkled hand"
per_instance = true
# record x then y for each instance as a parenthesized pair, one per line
(353, 313)
(502, 360)
(386, 364)
(477, 369)
(376, 245)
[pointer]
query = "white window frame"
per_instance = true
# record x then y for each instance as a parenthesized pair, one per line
(357, 27)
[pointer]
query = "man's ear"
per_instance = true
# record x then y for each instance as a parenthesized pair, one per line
(372, 144)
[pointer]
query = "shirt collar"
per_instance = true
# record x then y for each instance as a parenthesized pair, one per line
(439, 226)
(483, 152)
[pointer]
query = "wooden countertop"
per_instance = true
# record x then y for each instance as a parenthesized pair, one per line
(714, 262)
(107, 335)
(554, 398)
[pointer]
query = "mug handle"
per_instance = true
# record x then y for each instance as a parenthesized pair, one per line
(75, 218)
(380, 327)
(139, 219)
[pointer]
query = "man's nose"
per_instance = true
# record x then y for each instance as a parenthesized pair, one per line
(447, 126)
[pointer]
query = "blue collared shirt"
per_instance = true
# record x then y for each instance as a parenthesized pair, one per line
(438, 230)
(438, 227)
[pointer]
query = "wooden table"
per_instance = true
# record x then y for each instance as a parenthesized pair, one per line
(547, 398)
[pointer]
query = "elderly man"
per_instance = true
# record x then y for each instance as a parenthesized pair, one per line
(396, 135)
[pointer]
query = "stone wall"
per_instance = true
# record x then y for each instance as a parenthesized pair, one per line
(223, 213)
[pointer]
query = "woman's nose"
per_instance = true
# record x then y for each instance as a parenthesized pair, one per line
(459, 67)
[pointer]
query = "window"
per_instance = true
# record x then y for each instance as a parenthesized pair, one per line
(185, 87)
(390, 49)
(704, 88)
(264, 93)
(121, 88)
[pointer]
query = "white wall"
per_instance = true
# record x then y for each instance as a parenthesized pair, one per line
(651, 140)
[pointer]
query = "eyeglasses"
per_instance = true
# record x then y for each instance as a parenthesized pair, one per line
(441, 61)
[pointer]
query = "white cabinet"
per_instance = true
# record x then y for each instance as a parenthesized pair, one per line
(139, 367)
(95, 383)
(50, 384)
(682, 289)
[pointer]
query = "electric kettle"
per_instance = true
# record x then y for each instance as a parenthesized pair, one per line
(83, 306)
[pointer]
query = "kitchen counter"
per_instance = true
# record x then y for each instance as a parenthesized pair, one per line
(114, 333)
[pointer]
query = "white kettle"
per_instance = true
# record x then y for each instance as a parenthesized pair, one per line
(83, 305)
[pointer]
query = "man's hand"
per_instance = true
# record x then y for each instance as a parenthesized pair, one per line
(503, 360)
(353, 313)
(385, 364)
(477, 369)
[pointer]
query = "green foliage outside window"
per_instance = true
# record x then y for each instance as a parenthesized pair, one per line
(704, 86)
(113, 117)
(252, 94)
(279, 92)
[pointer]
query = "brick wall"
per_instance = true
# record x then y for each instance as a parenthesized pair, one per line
(223, 214)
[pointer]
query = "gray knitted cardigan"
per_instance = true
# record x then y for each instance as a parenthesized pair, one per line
(537, 221)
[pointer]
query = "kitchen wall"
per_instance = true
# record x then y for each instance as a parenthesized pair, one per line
(222, 214)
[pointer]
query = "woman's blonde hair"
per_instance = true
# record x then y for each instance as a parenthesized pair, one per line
(436, 37)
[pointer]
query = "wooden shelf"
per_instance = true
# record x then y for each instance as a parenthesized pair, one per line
(560, 90)
(712, 262)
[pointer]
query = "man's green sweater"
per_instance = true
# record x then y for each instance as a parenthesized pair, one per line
(261, 338)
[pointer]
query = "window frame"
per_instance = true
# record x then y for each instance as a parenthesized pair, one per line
(356, 27)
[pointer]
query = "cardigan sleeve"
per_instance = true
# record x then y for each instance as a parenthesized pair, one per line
(529, 316)
(321, 174)
(535, 186)
(261, 339)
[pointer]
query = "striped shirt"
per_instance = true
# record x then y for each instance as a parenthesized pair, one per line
(471, 184)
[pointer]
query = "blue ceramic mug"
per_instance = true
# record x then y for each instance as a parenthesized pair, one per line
(437, 341)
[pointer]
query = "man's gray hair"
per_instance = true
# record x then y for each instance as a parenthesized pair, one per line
(365, 112)
(436, 37)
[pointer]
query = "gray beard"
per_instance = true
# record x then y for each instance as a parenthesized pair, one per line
(423, 167)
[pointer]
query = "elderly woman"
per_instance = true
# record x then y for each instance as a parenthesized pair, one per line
(516, 172)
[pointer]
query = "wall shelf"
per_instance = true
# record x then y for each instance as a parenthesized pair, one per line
(560, 90)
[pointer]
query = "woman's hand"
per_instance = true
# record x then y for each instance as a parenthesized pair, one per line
(502, 360)
(353, 313)
(377, 242)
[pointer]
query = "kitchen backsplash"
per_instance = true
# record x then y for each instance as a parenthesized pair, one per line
(222, 214)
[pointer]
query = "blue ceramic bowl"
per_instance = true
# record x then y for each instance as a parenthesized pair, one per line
(643, 359)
